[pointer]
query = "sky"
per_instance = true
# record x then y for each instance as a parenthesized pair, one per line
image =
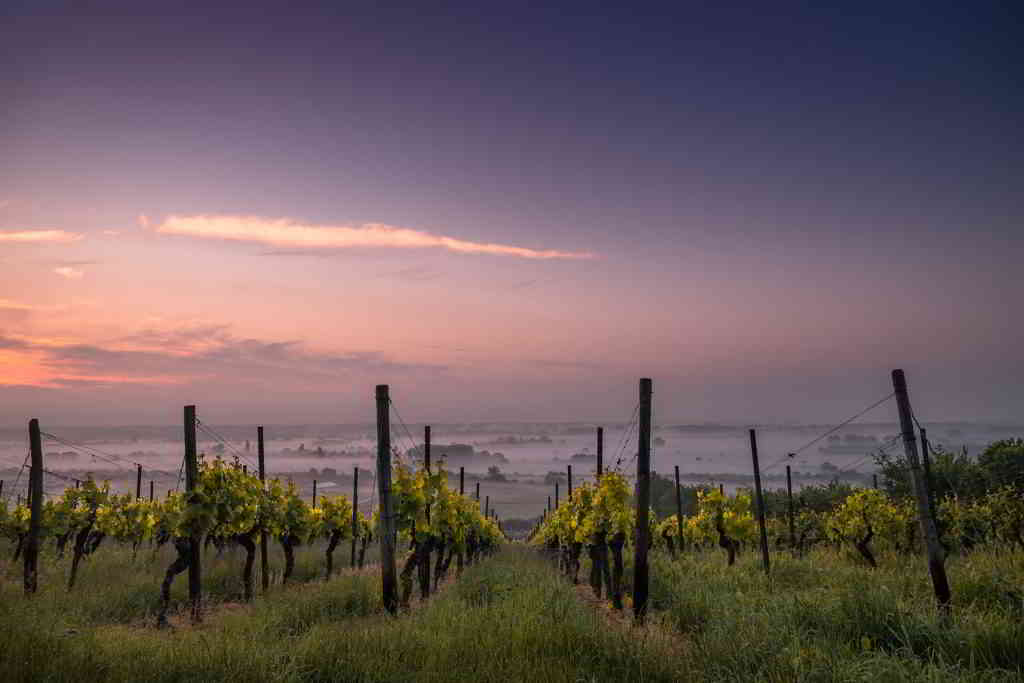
(508, 213)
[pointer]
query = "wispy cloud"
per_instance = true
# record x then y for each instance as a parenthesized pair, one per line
(283, 232)
(39, 236)
(207, 353)
(69, 272)
(11, 305)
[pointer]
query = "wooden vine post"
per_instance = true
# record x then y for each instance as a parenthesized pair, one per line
(389, 577)
(641, 572)
(264, 562)
(150, 490)
(355, 513)
(600, 451)
(427, 545)
(679, 508)
(35, 489)
(462, 481)
(138, 482)
(760, 503)
(789, 508)
(195, 584)
(936, 560)
(926, 461)
(556, 494)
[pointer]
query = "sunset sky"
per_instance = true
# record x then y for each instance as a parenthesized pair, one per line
(508, 214)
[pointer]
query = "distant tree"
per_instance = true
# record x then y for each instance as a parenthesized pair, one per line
(1002, 463)
(494, 473)
(954, 473)
(551, 477)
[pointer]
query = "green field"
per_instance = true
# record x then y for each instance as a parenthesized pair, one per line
(513, 617)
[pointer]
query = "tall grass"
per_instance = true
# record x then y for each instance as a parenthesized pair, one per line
(512, 617)
(826, 617)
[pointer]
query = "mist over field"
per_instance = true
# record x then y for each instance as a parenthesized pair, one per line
(523, 453)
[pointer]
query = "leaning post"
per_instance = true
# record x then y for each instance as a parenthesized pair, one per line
(936, 560)
(760, 503)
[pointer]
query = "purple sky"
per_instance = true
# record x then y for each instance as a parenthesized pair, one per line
(508, 214)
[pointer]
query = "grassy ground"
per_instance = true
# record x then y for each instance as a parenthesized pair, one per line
(828, 618)
(513, 618)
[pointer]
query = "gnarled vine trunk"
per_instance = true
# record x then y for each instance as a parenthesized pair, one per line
(183, 546)
(332, 543)
(864, 547)
(726, 543)
(575, 550)
(425, 548)
(247, 542)
(411, 562)
(363, 542)
(595, 569)
(616, 544)
(80, 549)
(288, 544)
(439, 566)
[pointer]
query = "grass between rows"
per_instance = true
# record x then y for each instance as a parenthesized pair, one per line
(513, 618)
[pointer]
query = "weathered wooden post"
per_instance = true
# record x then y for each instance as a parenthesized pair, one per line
(760, 503)
(926, 461)
(478, 492)
(314, 493)
(1, 487)
(721, 489)
(600, 451)
(556, 494)
(264, 562)
(549, 504)
(389, 578)
(874, 480)
(462, 481)
(569, 468)
(195, 585)
(679, 509)
(643, 503)
(355, 513)
(150, 490)
(35, 488)
(426, 448)
(427, 546)
(487, 507)
(936, 561)
(789, 506)
(138, 482)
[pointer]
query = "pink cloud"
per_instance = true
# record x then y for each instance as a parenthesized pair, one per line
(39, 236)
(69, 272)
(282, 232)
